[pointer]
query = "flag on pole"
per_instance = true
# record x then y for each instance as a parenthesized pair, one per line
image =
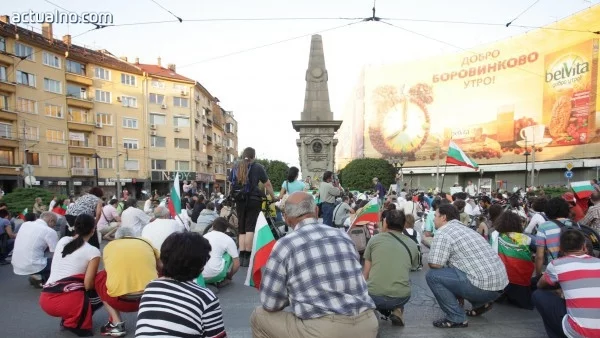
(262, 245)
(458, 157)
(369, 213)
(582, 189)
(175, 200)
(22, 215)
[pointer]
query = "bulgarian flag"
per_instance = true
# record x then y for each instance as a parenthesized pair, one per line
(516, 258)
(22, 215)
(458, 157)
(262, 245)
(175, 200)
(583, 189)
(370, 213)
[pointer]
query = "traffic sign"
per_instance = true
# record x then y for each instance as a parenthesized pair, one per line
(28, 169)
(569, 166)
(568, 174)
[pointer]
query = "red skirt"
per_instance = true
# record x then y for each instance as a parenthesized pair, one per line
(118, 303)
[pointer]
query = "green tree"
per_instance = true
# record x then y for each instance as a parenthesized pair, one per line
(276, 170)
(359, 174)
(22, 198)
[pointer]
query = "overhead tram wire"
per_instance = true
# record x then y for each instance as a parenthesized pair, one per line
(523, 12)
(173, 14)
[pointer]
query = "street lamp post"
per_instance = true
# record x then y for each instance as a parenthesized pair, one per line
(411, 178)
(526, 154)
(96, 156)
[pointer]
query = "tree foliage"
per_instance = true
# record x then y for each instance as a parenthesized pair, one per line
(22, 198)
(276, 170)
(359, 174)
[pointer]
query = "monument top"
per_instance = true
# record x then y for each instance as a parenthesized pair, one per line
(316, 98)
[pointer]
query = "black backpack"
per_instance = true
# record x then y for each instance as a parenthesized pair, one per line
(240, 190)
(592, 240)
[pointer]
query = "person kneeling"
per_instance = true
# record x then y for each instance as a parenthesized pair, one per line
(389, 257)
(224, 261)
(70, 293)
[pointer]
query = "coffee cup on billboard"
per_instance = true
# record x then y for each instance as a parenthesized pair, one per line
(533, 133)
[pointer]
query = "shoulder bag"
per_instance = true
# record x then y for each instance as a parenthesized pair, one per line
(404, 245)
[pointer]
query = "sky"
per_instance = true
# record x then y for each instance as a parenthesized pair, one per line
(264, 86)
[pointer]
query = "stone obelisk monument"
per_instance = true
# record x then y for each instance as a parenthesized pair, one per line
(316, 145)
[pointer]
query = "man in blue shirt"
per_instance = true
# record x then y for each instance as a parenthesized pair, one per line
(380, 190)
(7, 236)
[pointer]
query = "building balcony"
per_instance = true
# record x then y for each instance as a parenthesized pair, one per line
(8, 115)
(81, 102)
(9, 143)
(83, 171)
(77, 78)
(6, 59)
(7, 87)
(81, 126)
(9, 169)
(77, 150)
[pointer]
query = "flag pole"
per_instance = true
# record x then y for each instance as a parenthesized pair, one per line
(444, 177)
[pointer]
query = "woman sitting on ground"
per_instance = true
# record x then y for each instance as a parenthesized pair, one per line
(69, 292)
(513, 248)
(175, 306)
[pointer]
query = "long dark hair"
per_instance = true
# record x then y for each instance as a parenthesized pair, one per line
(292, 174)
(84, 224)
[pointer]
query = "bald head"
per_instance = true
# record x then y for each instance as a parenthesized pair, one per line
(300, 204)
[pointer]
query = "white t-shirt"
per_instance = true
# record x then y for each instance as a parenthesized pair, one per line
(536, 220)
(73, 264)
(110, 212)
(157, 231)
(134, 218)
(220, 244)
(51, 205)
(32, 241)
(410, 207)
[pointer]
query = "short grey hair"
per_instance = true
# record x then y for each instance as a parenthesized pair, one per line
(48, 216)
(124, 232)
(304, 207)
(161, 212)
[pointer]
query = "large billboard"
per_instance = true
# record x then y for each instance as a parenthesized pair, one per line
(538, 91)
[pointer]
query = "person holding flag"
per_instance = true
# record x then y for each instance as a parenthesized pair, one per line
(315, 270)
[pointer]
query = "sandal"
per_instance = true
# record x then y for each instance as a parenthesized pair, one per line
(446, 324)
(480, 310)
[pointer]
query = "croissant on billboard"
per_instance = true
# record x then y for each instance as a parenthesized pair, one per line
(536, 91)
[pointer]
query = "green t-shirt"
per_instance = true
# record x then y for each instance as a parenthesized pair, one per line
(390, 264)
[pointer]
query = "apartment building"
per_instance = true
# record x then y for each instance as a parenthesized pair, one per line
(65, 109)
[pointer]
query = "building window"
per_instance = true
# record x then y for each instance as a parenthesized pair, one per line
(3, 76)
(80, 162)
(157, 98)
(104, 119)
(102, 96)
(52, 86)
(22, 50)
(158, 119)
(33, 158)
(80, 116)
(76, 91)
(79, 140)
(157, 84)
(130, 123)
(7, 156)
(3, 102)
(181, 102)
(132, 165)
(159, 164)
(102, 73)
(53, 110)
(51, 60)
(129, 101)
(55, 136)
(179, 121)
(127, 79)
(2, 44)
(105, 163)
(182, 143)
(57, 161)
(75, 67)
(180, 87)
(5, 130)
(197, 145)
(182, 165)
(104, 141)
(26, 106)
(32, 133)
(158, 142)
(229, 127)
(130, 143)
(26, 79)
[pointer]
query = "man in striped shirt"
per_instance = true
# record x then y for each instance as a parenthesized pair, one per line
(548, 235)
(574, 312)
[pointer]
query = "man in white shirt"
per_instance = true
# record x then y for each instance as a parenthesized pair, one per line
(52, 203)
(471, 189)
(341, 212)
(109, 220)
(134, 218)
(162, 226)
(33, 240)
(411, 207)
(224, 260)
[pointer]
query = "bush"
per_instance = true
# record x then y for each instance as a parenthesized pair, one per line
(22, 198)
(359, 174)
(276, 171)
(555, 191)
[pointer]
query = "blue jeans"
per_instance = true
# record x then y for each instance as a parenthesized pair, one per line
(45, 272)
(327, 213)
(389, 303)
(447, 284)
